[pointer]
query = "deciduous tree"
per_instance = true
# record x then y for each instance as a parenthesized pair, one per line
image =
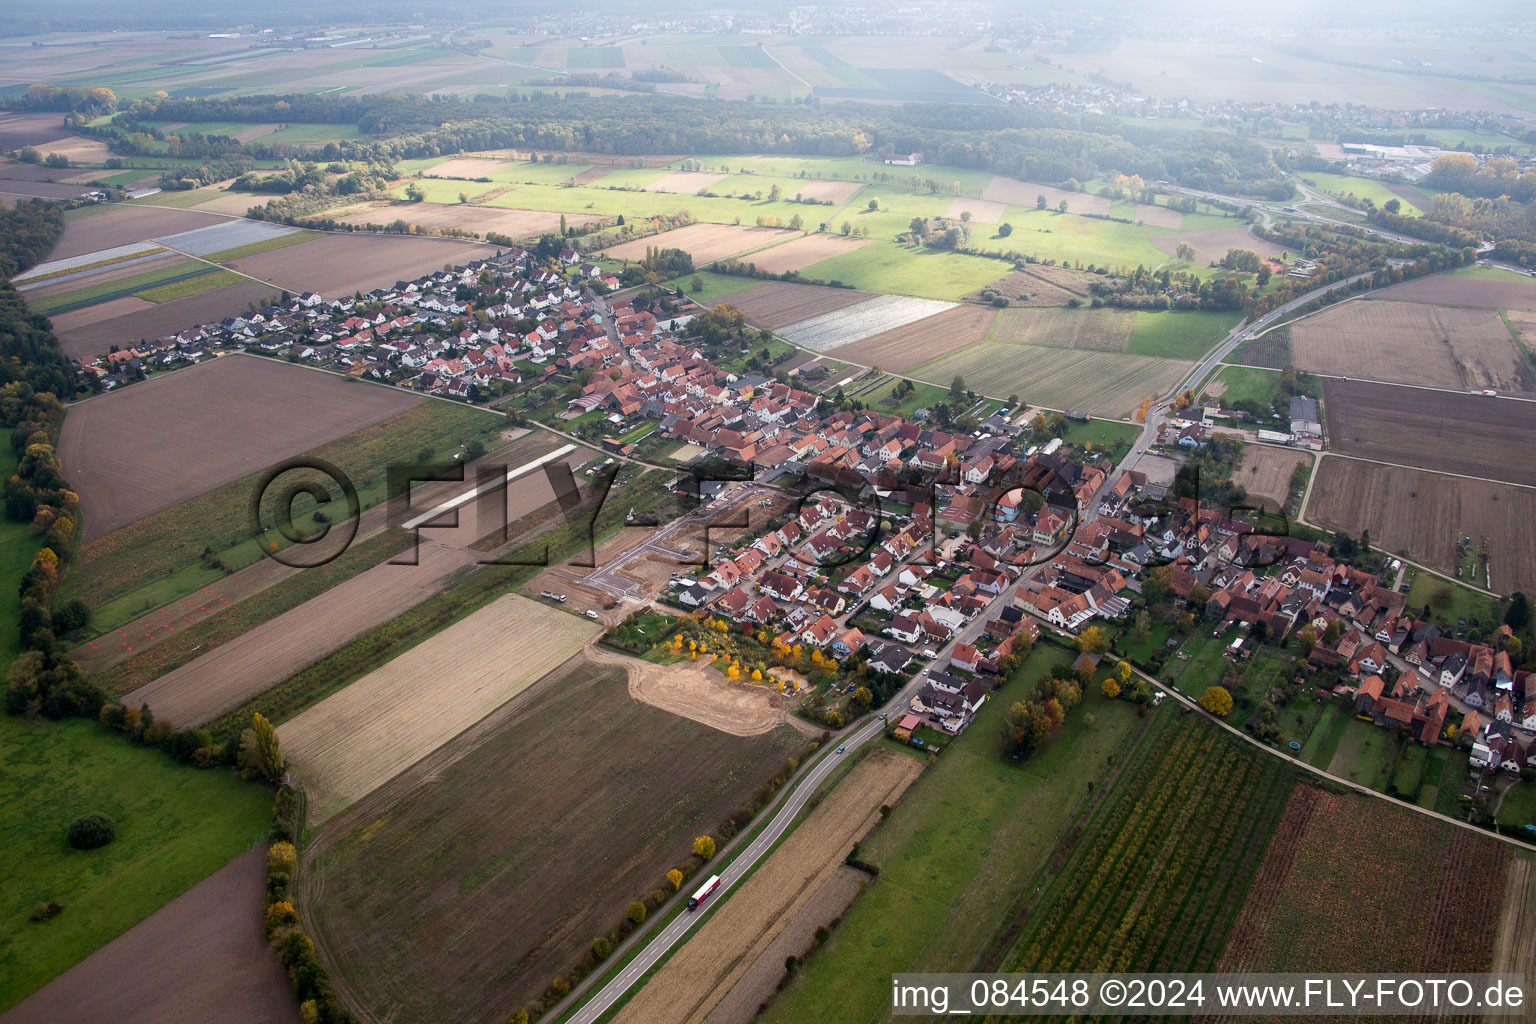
(704, 847)
(1217, 701)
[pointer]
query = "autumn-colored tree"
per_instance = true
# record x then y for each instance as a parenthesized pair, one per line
(519, 1016)
(1092, 641)
(1217, 701)
(635, 912)
(1111, 688)
(281, 857)
(262, 755)
(757, 675)
(1306, 640)
(676, 878)
(1123, 670)
(1334, 631)
(601, 947)
(279, 914)
(863, 697)
(704, 847)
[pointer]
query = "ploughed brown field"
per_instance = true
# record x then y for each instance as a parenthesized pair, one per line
(704, 242)
(1470, 434)
(1412, 343)
(779, 304)
(191, 960)
(799, 253)
(1266, 472)
(108, 227)
(1425, 900)
(157, 443)
(462, 887)
(1514, 293)
(1425, 514)
(1213, 243)
(902, 348)
(342, 264)
(684, 182)
(1012, 192)
(96, 337)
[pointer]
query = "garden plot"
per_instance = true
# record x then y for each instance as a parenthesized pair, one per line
(855, 323)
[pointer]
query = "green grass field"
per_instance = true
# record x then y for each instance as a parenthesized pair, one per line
(313, 133)
(909, 270)
(174, 270)
(175, 825)
(17, 546)
(445, 191)
(1365, 755)
(1103, 435)
(716, 286)
(1100, 383)
(1342, 185)
(952, 854)
(1324, 742)
(1518, 808)
(1243, 382)
(1449, 602)
(1178, 335)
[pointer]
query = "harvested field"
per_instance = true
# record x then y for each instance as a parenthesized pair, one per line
(776, 305)
(701, 693)
(716, 956)
(481, 219)
(97, 337)
(834, 192)
(450, 894)
(1100, 383)
(467, 167)
(1040, 286)
(87, 315)
(109, 227)
(981, 210)
(1514, 948)
(219, 437)
(1513, 293)
(1422, 907)
(1266, 473)
(1214, 243)
(799, 253)
(253, 663)
(684, 182)
(1524, 324)
(855, 323)
(1424, 515)
(342, 264)
(354, 741)
(189, 961)
(1470, 434)
(1159, 216)
(760, 979)
(234, 203)
(704, 242)
(1412, 343)
(907, 346)
(1107, 330)
(1012, 192)
(19, 130)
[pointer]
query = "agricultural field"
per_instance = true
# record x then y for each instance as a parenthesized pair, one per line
(1039, 285)
(777, 305)
(1107, 330)
(200, 954)
(450, 894)
(1343, 186)
(909, 345)
(89, 333)
(1425, 516)
(93, 229)
(162, 552)
(342, 264)
(855, 323)
(352, 742)
(799, 253)
(1213, 243)
(241, 669)
(715, 286)
(955, 853)
(1266, 472)
(1012, 192)
(1100, 383)
(1420, 903)
(908, 270)
(1195, 808)
(1470, 434)
(221, 237)
(704, 242)
(1413, 343)
(217, 438)
(715, 957)
(176, 824)
(471, 217)
(1468, 286)
(1244, 383)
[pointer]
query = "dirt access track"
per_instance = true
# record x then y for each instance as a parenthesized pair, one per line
(708, 966)
(696, 691)
(188, 962)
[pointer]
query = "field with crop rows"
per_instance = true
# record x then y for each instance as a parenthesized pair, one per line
(1101, 383)
(1148, 879)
